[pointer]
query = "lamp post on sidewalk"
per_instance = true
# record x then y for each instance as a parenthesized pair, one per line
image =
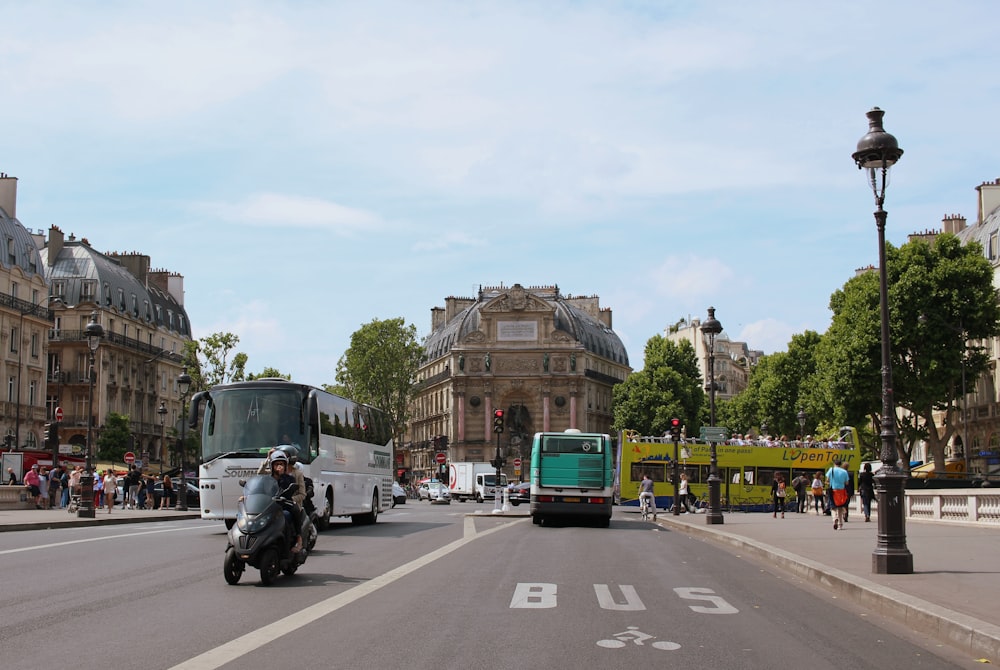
(802, 416)
(183, 385)
(878, 151)
(95, 332)
(162, 411)
(709, 329)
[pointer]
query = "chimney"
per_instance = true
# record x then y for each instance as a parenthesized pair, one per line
(953, 223)
(989, 198)
(8, 195)
(55, 245)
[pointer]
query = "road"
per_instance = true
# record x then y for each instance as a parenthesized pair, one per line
(429, 587)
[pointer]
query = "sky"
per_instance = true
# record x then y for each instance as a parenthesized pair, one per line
(311, 166)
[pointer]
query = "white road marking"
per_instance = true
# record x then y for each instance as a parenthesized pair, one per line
(229, 652)
(96, 539)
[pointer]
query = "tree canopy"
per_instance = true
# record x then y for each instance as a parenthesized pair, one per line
(380, 367)
(668, 386)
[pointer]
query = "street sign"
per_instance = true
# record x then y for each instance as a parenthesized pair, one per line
(441, 458)
(517, 463)
(714, 433)
(129, 457)
(58, 414)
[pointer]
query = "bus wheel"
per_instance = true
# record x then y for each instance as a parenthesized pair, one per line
(535, 519)
(322, 521)
(371, 517)
(230, 523)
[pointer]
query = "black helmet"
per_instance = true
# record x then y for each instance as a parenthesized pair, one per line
(290, 451)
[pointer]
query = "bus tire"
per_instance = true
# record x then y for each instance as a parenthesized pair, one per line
(230, 523)
(535, 519)
(322, 521)
(369, 518)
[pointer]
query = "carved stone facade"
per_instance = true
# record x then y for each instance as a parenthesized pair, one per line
(548, 360)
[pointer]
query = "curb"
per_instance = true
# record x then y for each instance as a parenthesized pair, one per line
(960, 630)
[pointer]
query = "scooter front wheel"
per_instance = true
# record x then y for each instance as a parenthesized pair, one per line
(233, 567)
(269, 567)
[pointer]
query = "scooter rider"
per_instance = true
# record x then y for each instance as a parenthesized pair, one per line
(279, 470)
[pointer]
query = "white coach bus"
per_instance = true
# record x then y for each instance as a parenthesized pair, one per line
(344, 447)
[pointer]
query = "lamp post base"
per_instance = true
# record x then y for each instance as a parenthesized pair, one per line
(86, 509)
(714, 515)
(891, 556)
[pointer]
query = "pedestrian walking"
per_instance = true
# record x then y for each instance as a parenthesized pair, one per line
(685, 493)
(133, 479)
(64, 485)
(838, 478)
(817, 491)
(866, 486)
(110, 484)
(43, 487)
(151, 502)
(55, 484)
(779, 493)
(801, 486)
(166, 498)
(98, 489)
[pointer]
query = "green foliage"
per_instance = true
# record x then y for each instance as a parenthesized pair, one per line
(115, 438)
(207, 361)
(268, 373)
(380, 367)
(779, 386)
(941, 295)
(668, 386)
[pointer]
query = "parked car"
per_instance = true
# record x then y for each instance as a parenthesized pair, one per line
(398, 494)
(519, 493)
(434, 492)
(193, 495)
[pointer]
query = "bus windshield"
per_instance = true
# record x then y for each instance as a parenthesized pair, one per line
(252, 420)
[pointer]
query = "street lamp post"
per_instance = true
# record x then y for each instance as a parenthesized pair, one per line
(95, 332)
(877, 151)
(802, 416)
(183, 385)
(162, 411)
(709, 329)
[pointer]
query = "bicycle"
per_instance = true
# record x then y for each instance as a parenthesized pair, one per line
(644, 507)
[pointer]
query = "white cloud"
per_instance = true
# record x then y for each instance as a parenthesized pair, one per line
(279, 210)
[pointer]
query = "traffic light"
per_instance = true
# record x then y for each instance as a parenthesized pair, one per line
(675, 429)
(498, 421)
(51, 435)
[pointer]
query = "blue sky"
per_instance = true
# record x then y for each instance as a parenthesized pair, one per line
(311, 166)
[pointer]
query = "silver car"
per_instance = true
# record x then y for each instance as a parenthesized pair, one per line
(435, 492)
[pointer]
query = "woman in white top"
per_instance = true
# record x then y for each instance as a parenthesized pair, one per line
(109, 489)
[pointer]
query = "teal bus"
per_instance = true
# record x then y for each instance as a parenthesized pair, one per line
(572, 476)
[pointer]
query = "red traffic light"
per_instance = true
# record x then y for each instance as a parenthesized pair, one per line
(498, 421)
(498, 414)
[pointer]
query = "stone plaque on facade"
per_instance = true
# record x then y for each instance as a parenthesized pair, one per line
(517, 331)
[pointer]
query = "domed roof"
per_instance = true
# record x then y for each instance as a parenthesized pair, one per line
(569, 317)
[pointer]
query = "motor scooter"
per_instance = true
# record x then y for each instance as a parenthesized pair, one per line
(261, 537)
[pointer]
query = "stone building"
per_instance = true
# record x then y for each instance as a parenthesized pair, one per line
(51, 287)
(733, 360)
(548, 360)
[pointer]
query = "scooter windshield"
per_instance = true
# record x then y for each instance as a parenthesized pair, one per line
(259, 493)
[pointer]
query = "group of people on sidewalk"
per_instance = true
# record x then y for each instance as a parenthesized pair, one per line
(831, 492)
(49, 489)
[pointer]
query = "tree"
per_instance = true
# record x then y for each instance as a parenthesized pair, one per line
(669, 386)
(269, 373)
(214, 350)
(115, 438)
(380, 367)
(780, 385)
(941, 301)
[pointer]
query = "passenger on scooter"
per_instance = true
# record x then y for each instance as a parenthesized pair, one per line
(279, 470)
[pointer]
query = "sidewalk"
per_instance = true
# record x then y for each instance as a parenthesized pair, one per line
(35, 519)
(952, 595)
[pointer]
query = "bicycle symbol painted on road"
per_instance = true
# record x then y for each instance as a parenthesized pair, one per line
(633, 634)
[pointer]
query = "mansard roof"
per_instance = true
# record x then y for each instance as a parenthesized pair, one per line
(112, 287)
(567, 318)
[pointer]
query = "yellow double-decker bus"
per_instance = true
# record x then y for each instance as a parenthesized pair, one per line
(746, 467)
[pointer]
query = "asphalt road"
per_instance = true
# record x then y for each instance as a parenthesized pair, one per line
(428, 587)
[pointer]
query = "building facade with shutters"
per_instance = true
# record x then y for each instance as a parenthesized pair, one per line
(548, 360)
